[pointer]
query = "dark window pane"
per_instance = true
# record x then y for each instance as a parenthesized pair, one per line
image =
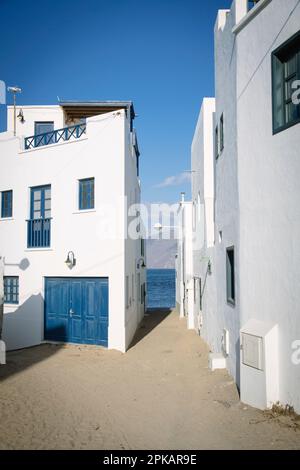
(6, 204)
(230, 275)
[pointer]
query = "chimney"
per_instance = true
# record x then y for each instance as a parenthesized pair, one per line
(240, 8)
(182, 197)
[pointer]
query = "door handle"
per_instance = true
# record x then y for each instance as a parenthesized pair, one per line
(71, 312)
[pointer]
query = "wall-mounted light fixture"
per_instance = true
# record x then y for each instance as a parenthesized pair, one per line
(209, 268)
(70, 261)
(141, 263)
(21, 116)
(209, 264)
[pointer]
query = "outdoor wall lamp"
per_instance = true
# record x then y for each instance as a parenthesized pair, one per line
(142, 265)
(209, 270)
(209, 267)
(70, 261)
(21, 116)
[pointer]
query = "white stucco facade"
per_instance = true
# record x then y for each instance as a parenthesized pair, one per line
(98, 236)
(184, 262)
(251, 202)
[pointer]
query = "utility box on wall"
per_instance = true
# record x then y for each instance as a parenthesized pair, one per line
(259, 364)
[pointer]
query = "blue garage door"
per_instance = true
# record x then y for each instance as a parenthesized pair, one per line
(76, 310)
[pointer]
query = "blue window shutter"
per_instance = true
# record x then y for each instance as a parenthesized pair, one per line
(87, 194)
(11, 289)
(6, 204)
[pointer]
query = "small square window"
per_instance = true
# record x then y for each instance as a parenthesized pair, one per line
(230, 276)
(86, 194)
(6, 204)
(11, 289)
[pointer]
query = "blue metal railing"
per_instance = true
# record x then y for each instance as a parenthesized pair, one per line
(38, 233)
(53, 137)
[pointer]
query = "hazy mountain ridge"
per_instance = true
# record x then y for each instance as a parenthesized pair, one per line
(161, 254)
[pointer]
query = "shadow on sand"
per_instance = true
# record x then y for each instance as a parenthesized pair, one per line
(19, 360)
(152, 319)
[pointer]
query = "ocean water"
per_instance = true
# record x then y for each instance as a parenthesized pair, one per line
(161, 288)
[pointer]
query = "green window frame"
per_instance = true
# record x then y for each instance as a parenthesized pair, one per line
(11, 289)
(285, 74)
(230, 275)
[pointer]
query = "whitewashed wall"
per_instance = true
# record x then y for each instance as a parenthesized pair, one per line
(256, 190)
(203, 189)
(101, 154)
(269, 191)
(184, 283)
(226, 184)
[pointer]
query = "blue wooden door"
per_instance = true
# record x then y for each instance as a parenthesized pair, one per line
(76, 310)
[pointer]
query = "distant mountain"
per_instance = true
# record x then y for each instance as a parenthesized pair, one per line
(161, 254)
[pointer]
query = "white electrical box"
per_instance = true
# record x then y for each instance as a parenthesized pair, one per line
(259, 377)
(252, 351)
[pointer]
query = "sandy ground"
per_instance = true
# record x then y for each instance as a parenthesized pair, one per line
(160, 395)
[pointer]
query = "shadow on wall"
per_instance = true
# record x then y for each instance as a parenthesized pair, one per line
(152, 319)
(23, 327)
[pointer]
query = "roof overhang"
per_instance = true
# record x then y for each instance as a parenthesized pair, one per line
(85, 109)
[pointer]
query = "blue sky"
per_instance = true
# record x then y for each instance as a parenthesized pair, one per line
(158, 53)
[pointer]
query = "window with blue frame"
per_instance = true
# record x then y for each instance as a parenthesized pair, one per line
(40, 202)
(43, 127)
(87, 194)
(11, 289)
(6, 204)
(39, 225)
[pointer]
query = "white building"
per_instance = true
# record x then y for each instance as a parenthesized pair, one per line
(245, 196)
(184, 262)
(67, 181)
